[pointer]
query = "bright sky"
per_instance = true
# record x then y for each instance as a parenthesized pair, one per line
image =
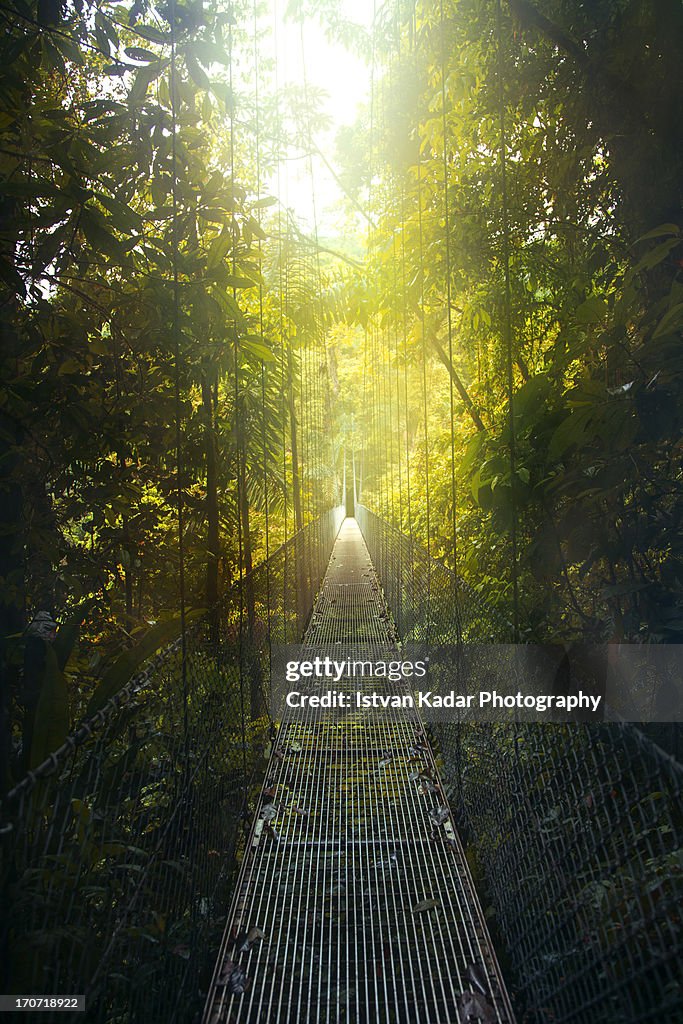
(329, 66)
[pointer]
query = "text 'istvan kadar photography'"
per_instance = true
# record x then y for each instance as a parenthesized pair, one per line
(341, 491)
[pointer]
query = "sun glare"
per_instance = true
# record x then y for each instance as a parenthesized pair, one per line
(336, 81)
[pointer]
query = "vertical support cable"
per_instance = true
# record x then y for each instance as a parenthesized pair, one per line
(449, 312)
(285, 347)
(264, 438)
(423, 332)
(353, 462)
(314, 418)
(380, 470)
(423, 347)
(508, 321)
(367, 420)
(404, 332)
(404, 315)
(175, 313)
(238, 432)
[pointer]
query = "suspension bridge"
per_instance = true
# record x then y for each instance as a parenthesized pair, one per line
(186, 855)
(183, 857)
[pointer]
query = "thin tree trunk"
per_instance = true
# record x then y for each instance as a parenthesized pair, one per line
(128, 578)
(244, 513)
(212, 531)
(12, 574)
(126, 545)
(296, 477)
(253, 661)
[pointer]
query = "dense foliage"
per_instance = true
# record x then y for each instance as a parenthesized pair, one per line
(180, 360)
(537, 144)
(158, 376)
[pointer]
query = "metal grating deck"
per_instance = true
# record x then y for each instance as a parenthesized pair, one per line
(366, 908)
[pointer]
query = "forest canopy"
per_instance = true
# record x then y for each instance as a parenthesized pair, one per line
(489, 346)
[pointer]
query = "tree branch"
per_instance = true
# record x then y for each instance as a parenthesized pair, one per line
(529, 17)
(459, 386)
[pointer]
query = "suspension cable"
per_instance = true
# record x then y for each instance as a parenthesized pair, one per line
(283, 283)
(366, 421)
(264, 439)
(175, 313)
(404, 332)
(508, 320)
(404, 322)
(449, 313)
(239, 474)
(314, 417)
(423, 347)
(423, 353)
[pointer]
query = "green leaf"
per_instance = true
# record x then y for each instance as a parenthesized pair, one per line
(68, 48)
(472, 454)
(219, 249)
(106, 25)
(657, 255)
(234, 281)
(51, 725)
(154, 35)
(143, 79)
(210, 53)
(161, 213)
(223, 93)
(531, 398)
(115, 773)
(570, 432)
(125, 666)
(93, 224)
(670, 322)
(67, 634)
(592, 310)
(197, 72)
(253, 225)
(139, 53)
(476, 484)
(124, 216)
(227, 303)
(660, 231)
(258, 349)
(68, 367)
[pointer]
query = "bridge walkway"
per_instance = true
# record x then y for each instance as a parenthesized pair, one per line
(354, 900)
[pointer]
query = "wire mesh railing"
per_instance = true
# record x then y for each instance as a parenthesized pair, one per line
(577, 830)
(429, 602)
(117, 854)
(574, 831)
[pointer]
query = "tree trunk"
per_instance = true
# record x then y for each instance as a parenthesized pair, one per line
(296, 478)
(252, 660)
(244, 514)
(12, 576)
(212, 532)
(128, 553)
